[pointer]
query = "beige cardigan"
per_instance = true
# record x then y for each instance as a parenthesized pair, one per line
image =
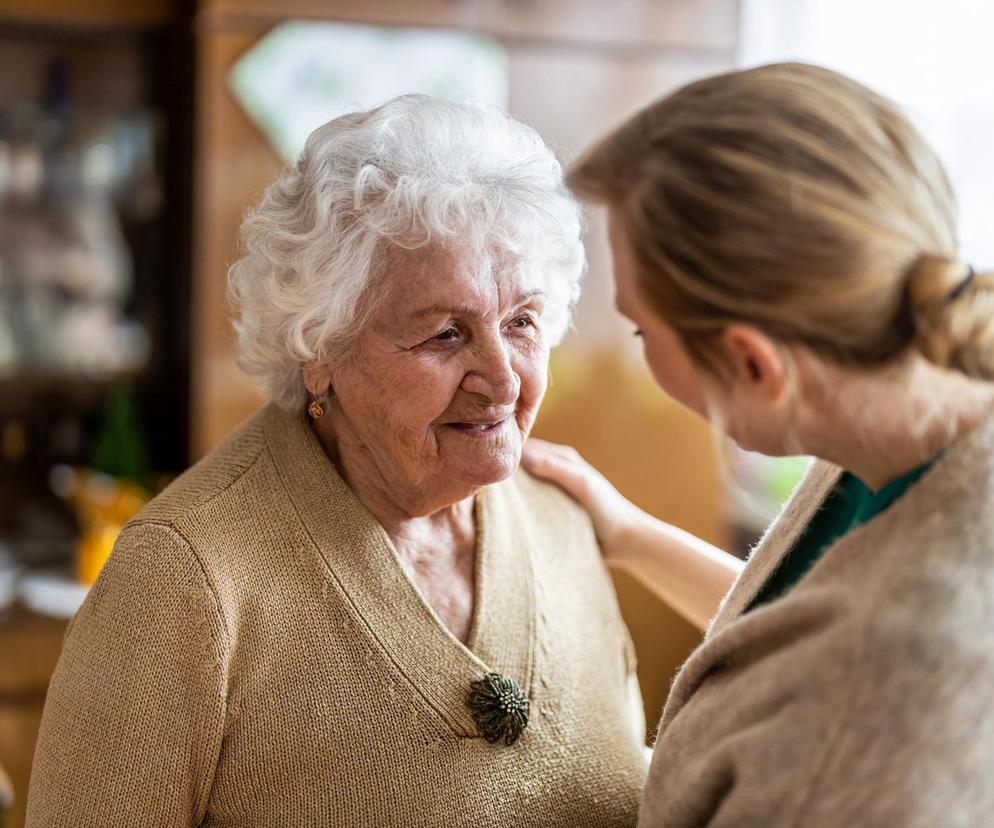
(254, 655)
(864, 696)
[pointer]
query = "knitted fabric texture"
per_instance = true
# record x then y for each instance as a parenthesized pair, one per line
(862, 697)
(253, 654)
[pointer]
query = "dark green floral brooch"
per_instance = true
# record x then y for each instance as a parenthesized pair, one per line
(499, 708)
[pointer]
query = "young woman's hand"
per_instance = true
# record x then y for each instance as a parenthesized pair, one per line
(685, 571)
(613, 515)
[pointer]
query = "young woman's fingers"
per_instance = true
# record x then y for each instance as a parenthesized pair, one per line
(552, 464)
(544, 447)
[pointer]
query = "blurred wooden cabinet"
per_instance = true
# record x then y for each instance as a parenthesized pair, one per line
(6, 797)
(70, 64)
(30, 645)
(116, 14)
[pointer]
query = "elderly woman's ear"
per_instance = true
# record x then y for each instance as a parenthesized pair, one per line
(317, 381)
(317, 378)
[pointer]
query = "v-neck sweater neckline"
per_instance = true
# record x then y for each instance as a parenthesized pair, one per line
(849, 504)
(364, 566)
(808, 497)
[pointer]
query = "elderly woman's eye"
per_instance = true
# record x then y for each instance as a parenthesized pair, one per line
(446, 335)
(523, 322)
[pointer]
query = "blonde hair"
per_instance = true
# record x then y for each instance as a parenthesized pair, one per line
(793, 198)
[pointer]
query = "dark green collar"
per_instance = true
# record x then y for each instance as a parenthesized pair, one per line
(850, 504)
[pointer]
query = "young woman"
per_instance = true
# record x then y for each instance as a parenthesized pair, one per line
(785, 243)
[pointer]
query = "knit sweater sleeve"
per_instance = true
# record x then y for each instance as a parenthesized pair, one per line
(812, 716)
(133, 721)
(913, 744)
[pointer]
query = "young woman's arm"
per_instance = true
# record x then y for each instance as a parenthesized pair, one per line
(691, 575)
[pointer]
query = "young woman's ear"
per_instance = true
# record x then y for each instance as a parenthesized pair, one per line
(756, 362)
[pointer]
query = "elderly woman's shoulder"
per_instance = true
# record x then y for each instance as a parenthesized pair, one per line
(201, 523)
(211, 478)
(548, 503)
(559, 536)
(547, 493)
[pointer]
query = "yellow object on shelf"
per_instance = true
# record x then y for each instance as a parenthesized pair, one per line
(6, 796)
(93, 550)
(103, 504)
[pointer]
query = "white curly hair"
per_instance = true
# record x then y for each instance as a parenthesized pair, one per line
(413, 172)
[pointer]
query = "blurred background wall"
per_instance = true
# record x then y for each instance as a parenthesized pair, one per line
(135, 133)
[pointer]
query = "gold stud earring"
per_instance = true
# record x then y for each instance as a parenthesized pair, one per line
(316, 408)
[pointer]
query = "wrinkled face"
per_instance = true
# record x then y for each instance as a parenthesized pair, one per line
(665, 353)
(447, 377)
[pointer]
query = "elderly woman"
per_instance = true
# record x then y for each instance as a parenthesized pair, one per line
(357, 612)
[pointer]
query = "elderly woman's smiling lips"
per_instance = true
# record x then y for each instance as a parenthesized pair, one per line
(480, 428)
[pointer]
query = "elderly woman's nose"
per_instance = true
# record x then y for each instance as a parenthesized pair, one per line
(493, 375)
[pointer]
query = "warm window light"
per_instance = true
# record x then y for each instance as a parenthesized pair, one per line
(936, 66)
(934, 61)
(302, 74)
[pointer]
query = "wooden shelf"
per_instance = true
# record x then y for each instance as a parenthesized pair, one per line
(625, 24)
(21, 393)
(31, 645)
(116, 14)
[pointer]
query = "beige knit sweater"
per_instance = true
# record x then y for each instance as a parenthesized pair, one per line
(254, 655)
(864, 696)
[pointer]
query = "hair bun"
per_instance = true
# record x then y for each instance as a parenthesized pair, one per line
(933, 280)
(950, 333)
